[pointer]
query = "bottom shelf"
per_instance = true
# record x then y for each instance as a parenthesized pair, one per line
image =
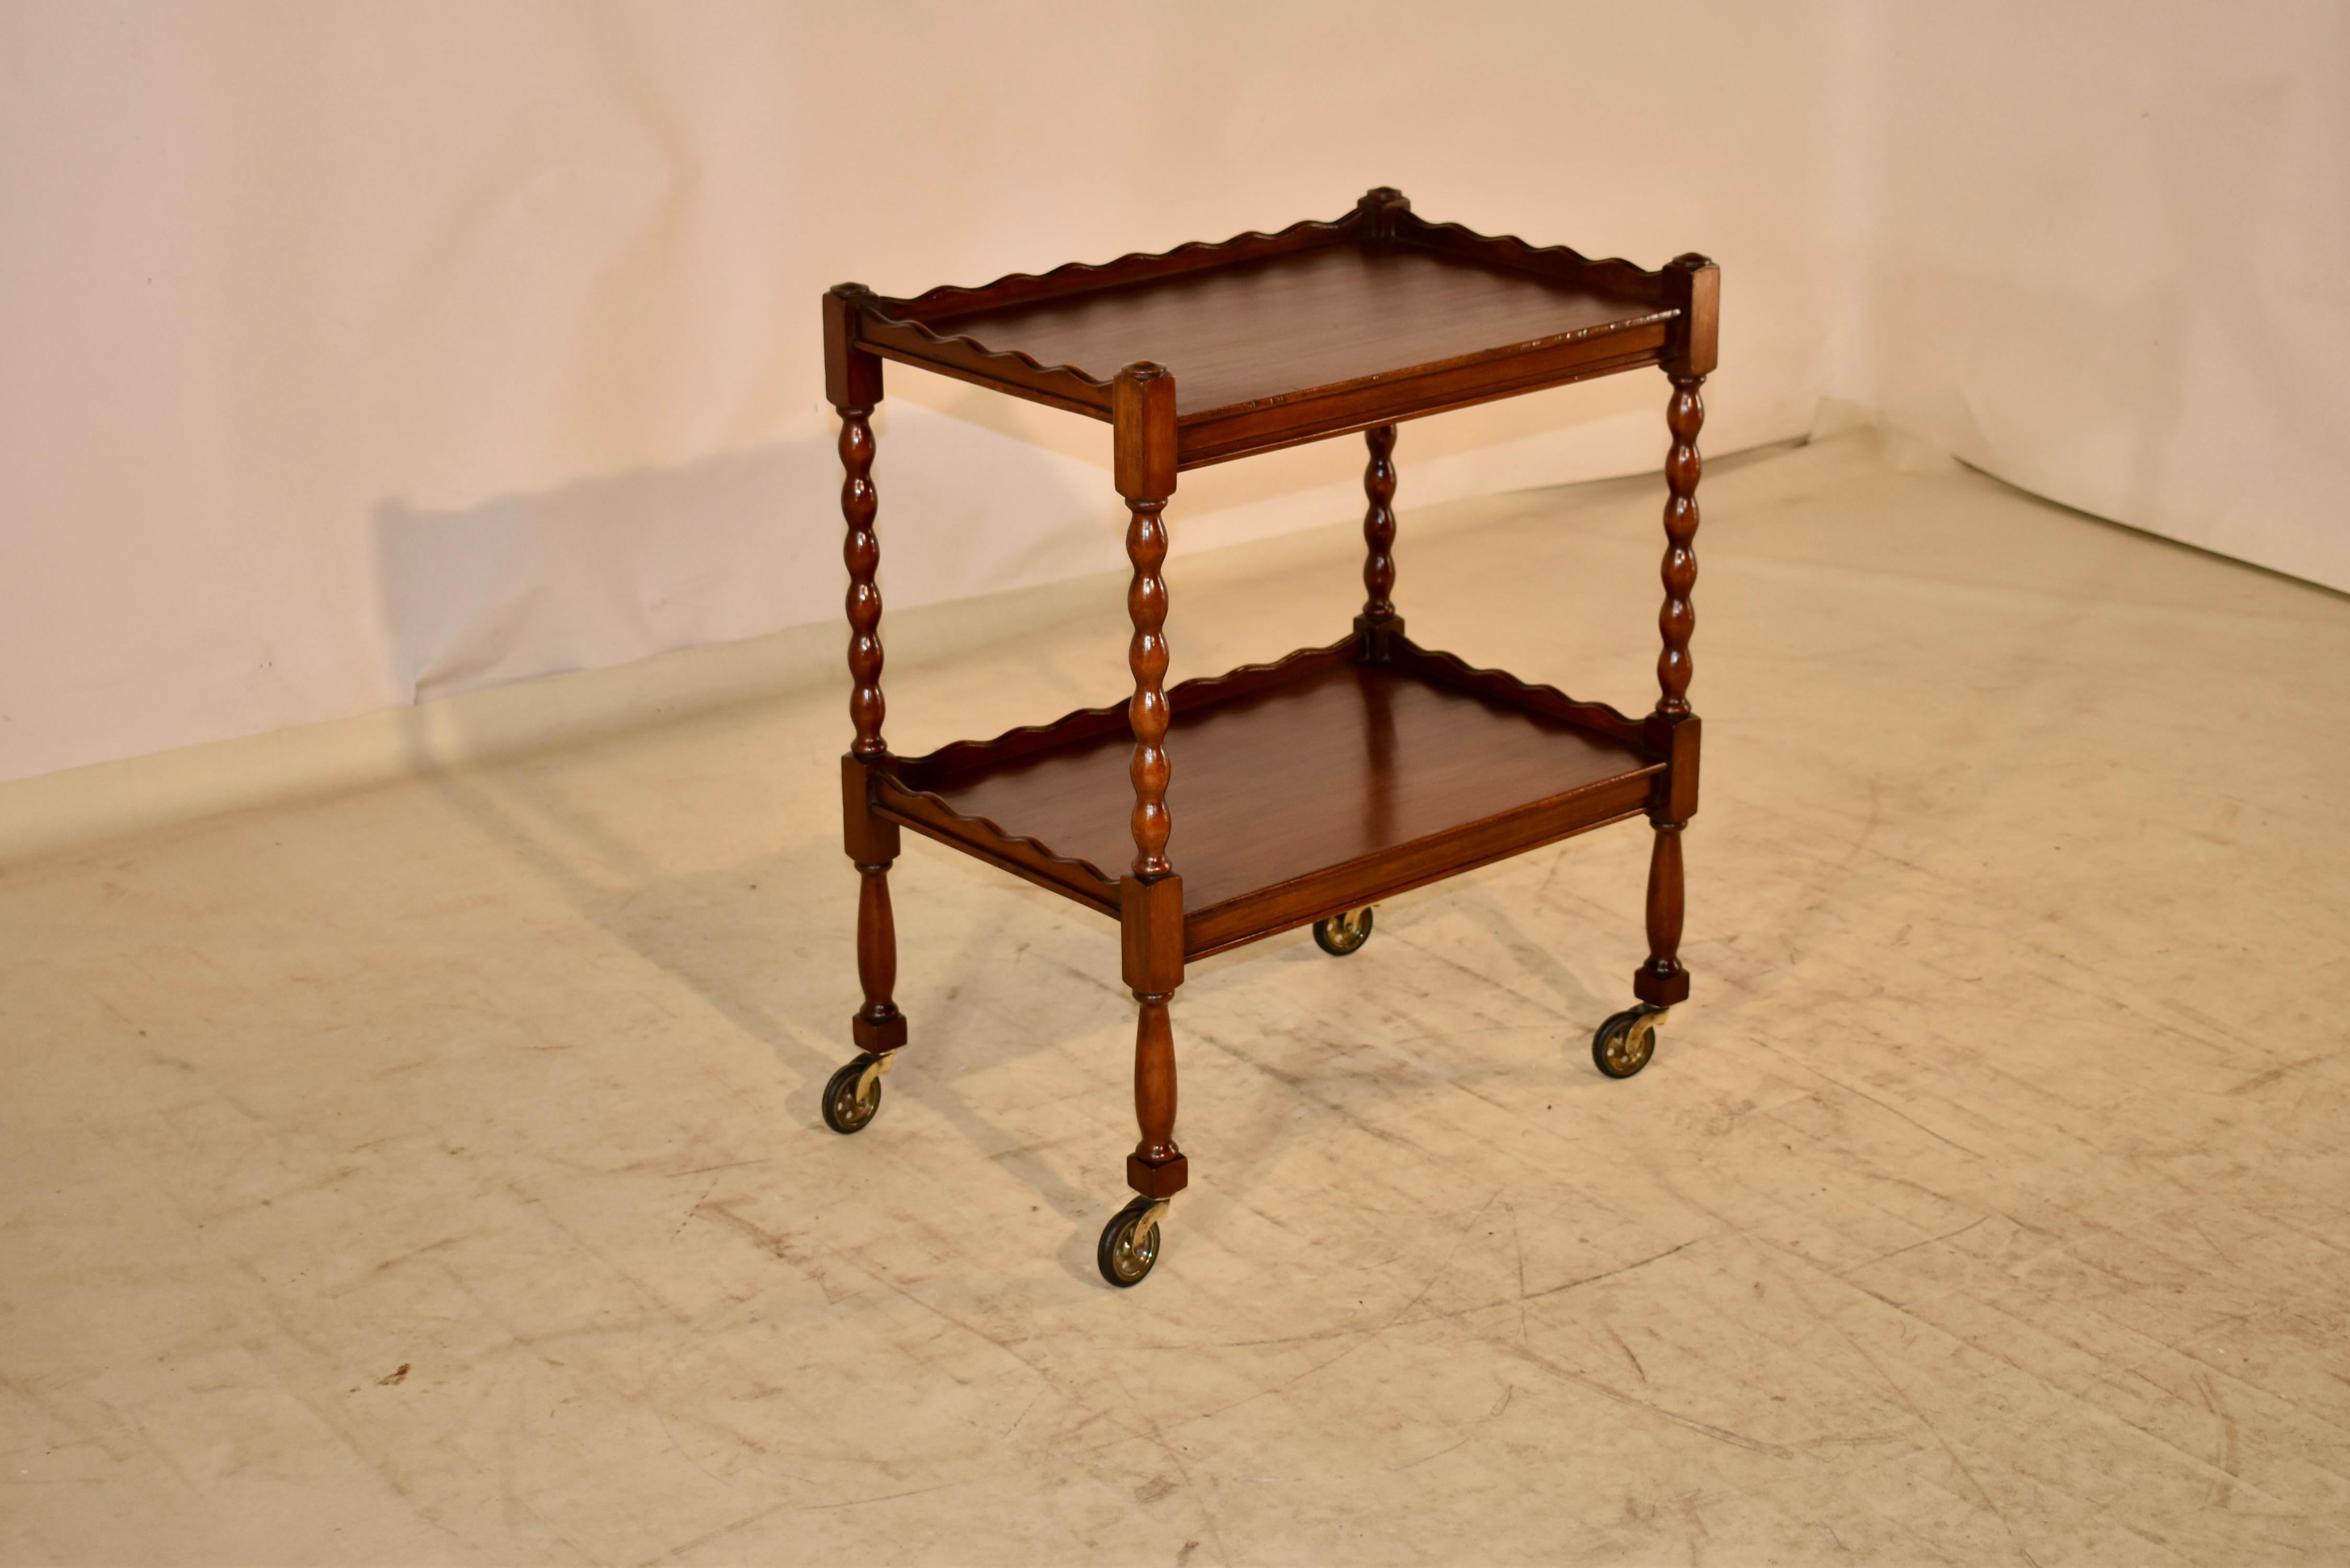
(1297, 789)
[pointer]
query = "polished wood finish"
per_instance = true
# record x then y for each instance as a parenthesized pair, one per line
(878, 1025)
(1156, 1168)
(1283, 326)
(852, 373)
(1150, 930)
(862, 551)
(1661, 980)
(1676, 738)
(1143, 401)
(1145, 471)
(870, 838)
(853, 381)
(1694, 285)
(1678, 619)
(1146, 546)
(1322, 328)
(1241, 805)
(1315, 785)
(1379, 525)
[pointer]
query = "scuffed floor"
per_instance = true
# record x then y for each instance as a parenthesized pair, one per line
(434, 1174)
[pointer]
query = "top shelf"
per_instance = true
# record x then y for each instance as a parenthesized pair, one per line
(1324, 327)
(1256, 331)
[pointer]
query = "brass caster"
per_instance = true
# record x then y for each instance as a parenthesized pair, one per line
(1622, 1046)
(1130, 1242)
(1343, 934)
(855, 1092)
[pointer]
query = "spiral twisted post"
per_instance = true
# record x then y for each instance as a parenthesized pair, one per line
(852, 377)
(1143, 414)
(1661, 981)
(1683, 415)
(859, 502)
(1380, 525)
(878, 1026)
(1150, 897)
(1146, 656)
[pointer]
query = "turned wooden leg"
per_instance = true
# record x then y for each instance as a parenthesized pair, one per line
(1150, 916)
(1147, 711)
(1678, 619)
(879, 1026)
(1661, 980)
(852, 380)
(1379, 619)
(862, 551)
(1157, 1168)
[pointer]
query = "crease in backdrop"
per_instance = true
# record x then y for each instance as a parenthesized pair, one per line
(355, 355)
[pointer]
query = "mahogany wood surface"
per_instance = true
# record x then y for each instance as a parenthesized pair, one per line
(1147, 770)
(878, 1026)
(1337, 764)
(932, 814)
(1678, 619)
(1253, 331)
(1157, 1168)
(1380, 525)
(1661, 980)
(853, 379)
(1151, 931)
(1322, 328)
(862, 551)
(1144, 407)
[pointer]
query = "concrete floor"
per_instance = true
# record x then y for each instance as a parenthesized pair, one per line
(434, 1173)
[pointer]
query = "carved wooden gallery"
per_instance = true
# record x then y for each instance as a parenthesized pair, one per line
(1306, 790)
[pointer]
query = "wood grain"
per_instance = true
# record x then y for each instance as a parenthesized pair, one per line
(1661, 980)
(878, 1026)
(1380, 525)
(1156, 1168)
(1250, 331)
(862, 551)
(1318, 330)
(1145, 400)
(1341, 764)
(1678, 619)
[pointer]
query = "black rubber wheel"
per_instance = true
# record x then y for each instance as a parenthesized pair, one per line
(1623, 1044)
(844, 1112)
(1343, 934)
(1124, 1257)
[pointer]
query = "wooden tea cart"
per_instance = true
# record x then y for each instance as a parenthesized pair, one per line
(1308, 789)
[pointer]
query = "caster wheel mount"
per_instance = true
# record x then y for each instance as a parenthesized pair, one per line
(1342, 934)
(1622, 1046)
(854, 1093)
(1130, 1242)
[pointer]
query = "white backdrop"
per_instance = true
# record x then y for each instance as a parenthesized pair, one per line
(355, 353)
(2109, 259)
